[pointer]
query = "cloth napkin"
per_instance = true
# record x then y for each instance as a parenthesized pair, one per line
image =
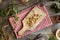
(46, 22)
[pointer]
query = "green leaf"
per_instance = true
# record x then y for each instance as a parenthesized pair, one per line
(2, 13)
(51, 38)
(15, 9)
(16, 18)
(58, 0)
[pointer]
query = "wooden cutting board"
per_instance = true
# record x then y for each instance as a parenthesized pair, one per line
(30, 22)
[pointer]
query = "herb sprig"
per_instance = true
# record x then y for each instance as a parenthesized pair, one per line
(52, 38)
(13, 11)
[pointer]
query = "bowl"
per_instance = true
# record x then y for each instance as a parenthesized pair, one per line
(58, 34)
